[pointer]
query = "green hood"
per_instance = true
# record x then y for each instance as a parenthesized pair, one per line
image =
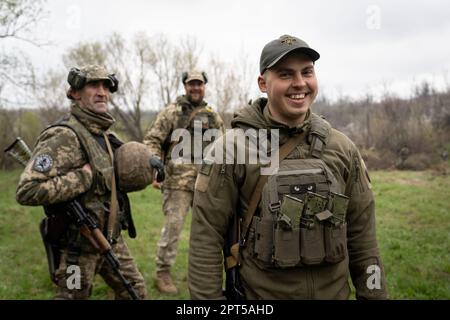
(251, 116)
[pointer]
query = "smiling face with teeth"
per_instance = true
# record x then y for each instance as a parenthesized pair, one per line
(291, 87)
(195, 91)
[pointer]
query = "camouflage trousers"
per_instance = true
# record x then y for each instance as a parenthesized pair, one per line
(87, 265)
(176, 204)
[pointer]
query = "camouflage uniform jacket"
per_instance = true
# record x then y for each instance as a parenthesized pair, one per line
(223, 189)
(55, 175)
(176, 116)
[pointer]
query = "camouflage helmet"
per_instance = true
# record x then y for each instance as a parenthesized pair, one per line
(79, 77)
(132, 162)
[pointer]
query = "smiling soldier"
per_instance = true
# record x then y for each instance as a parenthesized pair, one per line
(178, 188)
(305, 228)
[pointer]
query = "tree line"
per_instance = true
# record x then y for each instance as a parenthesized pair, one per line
(397, 133)
(391, 132)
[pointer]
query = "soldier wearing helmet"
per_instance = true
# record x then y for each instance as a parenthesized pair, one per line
(74, 159)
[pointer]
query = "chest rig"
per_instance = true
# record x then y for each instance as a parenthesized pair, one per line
(300, 220)
(97, 199)
(187, 118)
(202, 114)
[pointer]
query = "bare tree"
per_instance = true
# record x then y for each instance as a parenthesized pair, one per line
(86, 53)
(230, 85)
(15, 78)
(170, 62)
(223, 84)
(50, 96)
(131, 62)
(149, 70)
(18, 18)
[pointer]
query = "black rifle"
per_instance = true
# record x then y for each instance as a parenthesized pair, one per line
(233, 287)
(20, 152)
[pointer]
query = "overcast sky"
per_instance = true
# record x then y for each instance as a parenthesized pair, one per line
(365, 46)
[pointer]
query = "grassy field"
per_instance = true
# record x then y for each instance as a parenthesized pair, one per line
(413, 221)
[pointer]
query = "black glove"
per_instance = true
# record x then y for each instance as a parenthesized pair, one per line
(157, 164)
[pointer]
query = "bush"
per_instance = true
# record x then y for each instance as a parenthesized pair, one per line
(376, 160)
(417, 162)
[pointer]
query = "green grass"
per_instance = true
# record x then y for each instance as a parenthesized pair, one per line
(413, 227)
(23, 265)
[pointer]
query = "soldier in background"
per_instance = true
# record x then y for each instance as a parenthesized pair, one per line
(73, 159)
(444, 155)
(178, 188)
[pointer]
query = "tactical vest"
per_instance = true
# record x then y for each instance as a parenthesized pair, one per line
(203, 114)
(97, 199)
(301, 216)
(186, 119)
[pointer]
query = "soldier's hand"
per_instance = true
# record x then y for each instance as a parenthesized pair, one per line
(156, 185)
(87, 167)
(157, 164)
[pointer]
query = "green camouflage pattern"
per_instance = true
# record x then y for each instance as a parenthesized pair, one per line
(93, 263)
(66, 148)
(95, 72)
(64, 180)
(224, 190)
(44, 188)
(176, 206)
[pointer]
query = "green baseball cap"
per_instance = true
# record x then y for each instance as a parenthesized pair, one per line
(278, 48)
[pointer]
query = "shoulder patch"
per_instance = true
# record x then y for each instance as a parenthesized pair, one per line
(43, 163)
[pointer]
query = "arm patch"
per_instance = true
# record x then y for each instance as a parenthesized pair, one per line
(43, 163)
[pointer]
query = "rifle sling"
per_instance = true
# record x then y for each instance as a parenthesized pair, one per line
(114, 207)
